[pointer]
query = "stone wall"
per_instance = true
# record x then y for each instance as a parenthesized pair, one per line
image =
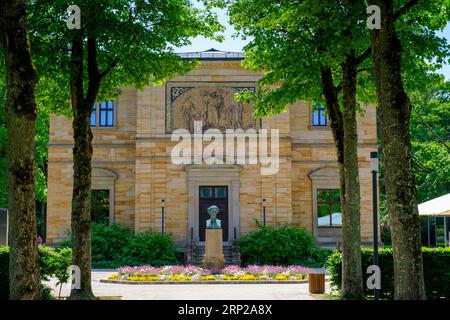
(137, 153)
(114, 149)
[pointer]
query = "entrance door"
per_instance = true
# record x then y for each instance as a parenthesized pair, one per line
(215, 195)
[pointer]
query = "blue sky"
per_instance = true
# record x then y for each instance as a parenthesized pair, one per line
(446, 68)
(236, 44)
(229, 44)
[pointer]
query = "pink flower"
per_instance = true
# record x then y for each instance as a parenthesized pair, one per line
(264, 271)
(39, 240)
(230, 269)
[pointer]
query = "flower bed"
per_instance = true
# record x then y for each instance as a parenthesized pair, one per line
(195, 273)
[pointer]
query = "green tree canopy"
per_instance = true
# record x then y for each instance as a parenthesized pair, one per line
(430, 137)
(291, 41)
(134, 42)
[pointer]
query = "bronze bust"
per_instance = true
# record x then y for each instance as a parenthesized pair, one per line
(213, 222)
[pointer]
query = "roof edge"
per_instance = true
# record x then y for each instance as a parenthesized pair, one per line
(212, 55)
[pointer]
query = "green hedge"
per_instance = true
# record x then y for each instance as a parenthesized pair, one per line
(4, 273)
(108, 243)
(282, 245)
(436, 264)
(53, 263)
(115, 246)
(150, 248)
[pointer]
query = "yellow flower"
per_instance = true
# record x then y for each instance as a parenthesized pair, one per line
(228, 277)
(113, 277)
(210, 277)
(178, 277)
(143, 278)
(281, 277)
(299, 277)
(248, 277)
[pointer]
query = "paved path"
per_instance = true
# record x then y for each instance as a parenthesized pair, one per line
(195, 292)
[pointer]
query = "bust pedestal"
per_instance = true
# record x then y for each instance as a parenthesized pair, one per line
(213, 250)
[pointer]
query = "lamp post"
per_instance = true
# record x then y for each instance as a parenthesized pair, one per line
(264, 211)
(163, 205)
(374, 170)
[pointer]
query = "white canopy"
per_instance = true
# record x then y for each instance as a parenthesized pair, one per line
(436, 207)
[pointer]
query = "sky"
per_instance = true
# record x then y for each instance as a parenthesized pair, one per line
(232, 43)
(229, 43)
(446, 69)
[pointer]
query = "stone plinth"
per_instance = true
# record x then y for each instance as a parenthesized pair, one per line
(213, 250)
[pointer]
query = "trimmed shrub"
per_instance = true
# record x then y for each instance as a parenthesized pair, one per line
(53, 263)
(318, 258)
(108, 243)
(385, 262)
(115, 246)
(436, 264)
(282, 245)
(4, 273)
(150, 248)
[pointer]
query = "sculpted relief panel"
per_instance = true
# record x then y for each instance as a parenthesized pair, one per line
(211, 103)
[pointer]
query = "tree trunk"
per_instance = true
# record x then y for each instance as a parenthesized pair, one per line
(334, 113)
(82, 156)
(81, 213)
(24, 278)
(395, 108)
(351, 286)
(352, 283)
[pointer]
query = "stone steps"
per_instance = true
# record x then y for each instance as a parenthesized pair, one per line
(200, 253)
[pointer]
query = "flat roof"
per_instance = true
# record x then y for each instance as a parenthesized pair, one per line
(212, 54)
(436, 207)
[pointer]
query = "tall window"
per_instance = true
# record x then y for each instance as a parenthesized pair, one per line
(329, 208)
(319, 118)
(103, 114)
(100, 206)
(94, 116)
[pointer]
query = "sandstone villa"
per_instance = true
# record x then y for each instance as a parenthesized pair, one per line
(133, 176)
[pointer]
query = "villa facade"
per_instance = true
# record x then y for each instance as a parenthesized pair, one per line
(134, 176)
